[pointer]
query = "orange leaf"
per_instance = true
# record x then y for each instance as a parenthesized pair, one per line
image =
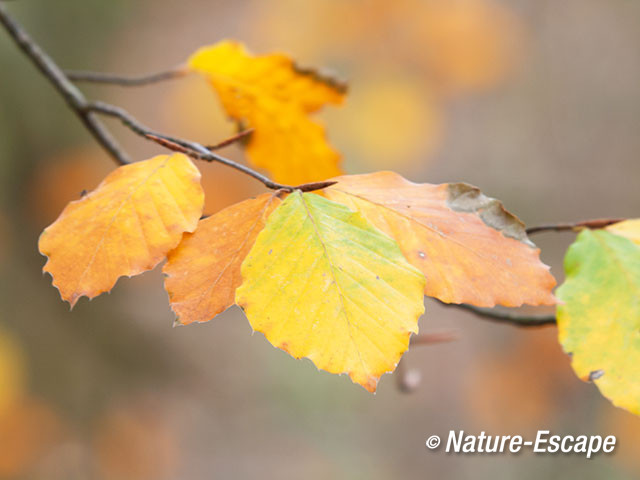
(204, 271)
(124, 227)
(469, 247)
(274, 97)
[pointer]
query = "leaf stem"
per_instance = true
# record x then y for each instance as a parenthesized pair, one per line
(236, 138)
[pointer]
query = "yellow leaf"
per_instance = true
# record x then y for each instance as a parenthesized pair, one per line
(469, 247)
(124, 227)
(629, 229)
(373, 141)
(203, 272)
(274, 97)
(320, 282)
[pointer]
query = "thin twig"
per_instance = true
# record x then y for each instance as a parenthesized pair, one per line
(511, 318)
(80, 76)
(193, 149)
(236, 138)
(168, 144)
(73, 97)
(562, 227)
(311, 187)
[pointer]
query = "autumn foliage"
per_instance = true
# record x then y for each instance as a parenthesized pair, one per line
(338, 275)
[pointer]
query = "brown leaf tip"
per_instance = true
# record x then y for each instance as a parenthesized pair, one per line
(463, 197)
(323, 76)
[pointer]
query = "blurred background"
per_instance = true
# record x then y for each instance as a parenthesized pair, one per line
(535, 101)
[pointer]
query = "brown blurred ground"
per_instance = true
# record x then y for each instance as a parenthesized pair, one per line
(537, 102)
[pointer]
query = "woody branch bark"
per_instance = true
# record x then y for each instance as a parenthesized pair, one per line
(72, 96)
(87, 110)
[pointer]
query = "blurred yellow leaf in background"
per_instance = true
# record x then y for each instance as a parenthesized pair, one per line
(392, 120)
(274, 97)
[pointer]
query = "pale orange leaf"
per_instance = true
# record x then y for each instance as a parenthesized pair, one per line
(124, 227)
(469, 247)
(203, 272)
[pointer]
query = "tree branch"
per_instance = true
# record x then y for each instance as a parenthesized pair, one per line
(510, 318)
(80, 76)
(561, 227)
(86, 111)
(236, 138)
(193, 149)
(72, 96)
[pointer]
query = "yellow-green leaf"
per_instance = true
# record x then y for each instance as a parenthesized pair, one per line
(321, 282)
(599, 320)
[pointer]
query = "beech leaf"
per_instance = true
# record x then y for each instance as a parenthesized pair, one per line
(272, 95)
(470, 249)
(321, 282)
(124, 227)
(599, 317)
(203, 272)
